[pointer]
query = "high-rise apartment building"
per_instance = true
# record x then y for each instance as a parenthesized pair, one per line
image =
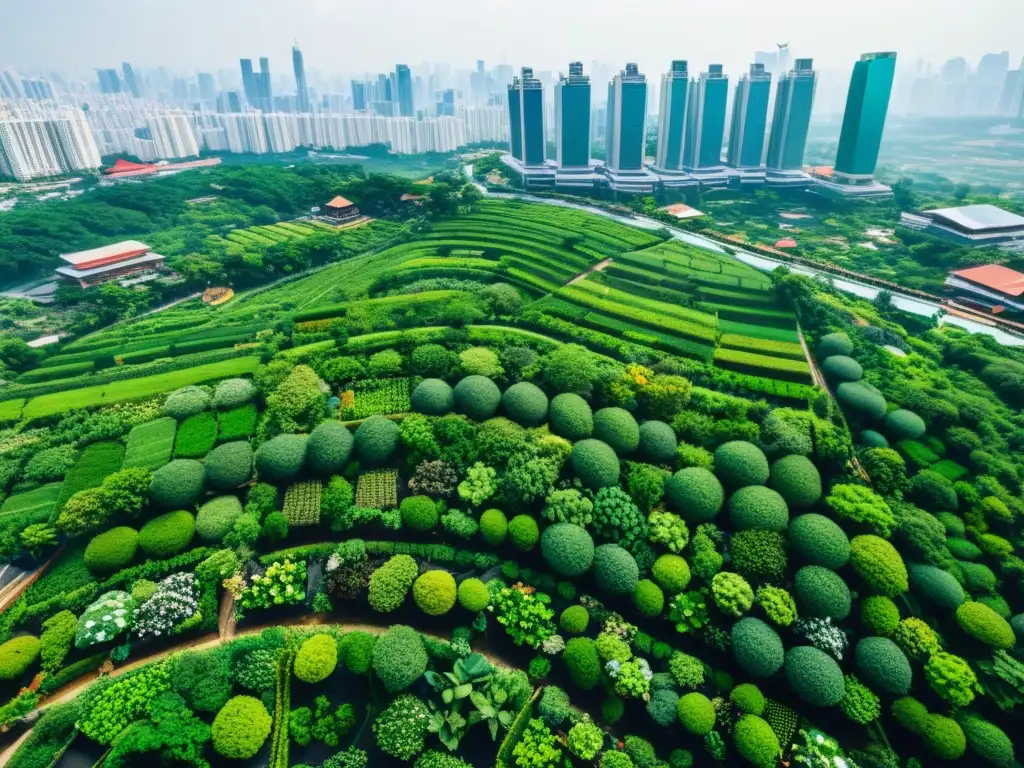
(131, 80)
(572, 118)
(207, 87)
(526, 118)
(42, 142)
(264, 91)
(627, 120)
(705, 130)
(110, 81)
(794, 100)
(249, 82)
(675, 85)
(867, 104)
(359, 96)
(403, 85)
(749, 118)
(301, 89)
(445, 106)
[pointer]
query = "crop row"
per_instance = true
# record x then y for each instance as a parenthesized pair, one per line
(764, 346)
(682, 273)
(185, 340)
(381, 302)
(238, 423)
(569, 219)
(652, 319)
(763, 365)
(196, 436)
(649, 337)
(466, 262)
(778, 317)
(604, 245)
(376, 397)
(150, 444)
(507, 239)
(55, 372)
(302, 503)
(624, 297)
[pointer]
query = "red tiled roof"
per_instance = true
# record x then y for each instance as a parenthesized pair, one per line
(994, 276)
(123, 165)
(787, 243)
(339, 202)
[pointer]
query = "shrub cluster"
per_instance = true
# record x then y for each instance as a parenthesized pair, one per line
(376, 439)
(617, 428)
(739, 464)
(525, 403)
(399, 658)
(814, 676)
(819, 541)
(796, 479)
(758, 508)
(316, 659)
(168, 534)
(570, 417)
(757, 647)
(434, 592)
(568, 549)
(433, 397)
(695, 494)
(229, 465)
(328, 448)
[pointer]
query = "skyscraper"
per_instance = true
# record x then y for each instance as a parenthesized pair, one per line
(794, 99)
(264, 92)
(403, 81)
(110, 82)
(301, 90)
(749, 118)
(207, 87)
(130, 79)
(867, 104)
(515, 119)
(526, 118)
(358, 95)
(705, 131)
(675, 86)
(572, 118)
(627, 118)
(249, 82)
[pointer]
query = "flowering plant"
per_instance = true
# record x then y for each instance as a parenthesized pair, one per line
(281, 584)
(823, 635)
(174, 601)
(105, 619)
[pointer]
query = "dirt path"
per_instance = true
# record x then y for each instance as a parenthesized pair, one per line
(596, 268)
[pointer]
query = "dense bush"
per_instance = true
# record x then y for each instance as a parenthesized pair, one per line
(757, 647)
(617, 428)
(869, 438)
(615, 571)
(648, 598)
(570, 417)
(987, 741)
(821, 593)
(595, 464)
(17, 655)
(696, 713)
(880, 615)
(943, 738)
(240, 728)
(671, 572)
(473, 595)
(233, 393)
(177, 485)
(431, 360)
(819, 541)
(879, 563)
(328, 448)
(493, 526)
(748, 699)
(523, 532)
(760, 555)
(963, 549)
(434, 592)
(883, 666)
(861, 397)
(932, 491)
(657, 442)
(797, 480)
(910, 713)
(357, 650)
(390, 583)
(376, 439)
(568, 549)
(834, 344)
(399, 658)
(758, 508)
(112, 550)
(739, 464)
(217, 517)
(582, 662)
(168, 534)
(281, 458)
(477, 397)
(433, 397)
(814, 676)
(663, 707)
(574, 620)
(229, 465)
(840, 368)
(419, 513)
(187, 401)
(952, 678)
(525, 403)
(316, 659)
(984, 624)
(935, 585)
(695, 494)
(757, 742)
(904, 425)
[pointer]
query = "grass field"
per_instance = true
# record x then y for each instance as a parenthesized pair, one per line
(149, 445)
(94, 464)
(35, 505)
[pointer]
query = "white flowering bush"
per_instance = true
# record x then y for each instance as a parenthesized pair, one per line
(554, 645)
(105, 619)
(175, 600)
(823, 635)
(281, 584)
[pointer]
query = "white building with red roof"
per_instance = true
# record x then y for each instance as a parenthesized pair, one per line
(109, 262)
(992, 286)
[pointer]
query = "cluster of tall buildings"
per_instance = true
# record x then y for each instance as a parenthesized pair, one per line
(697, 143)
(45, 141)
(957, 90)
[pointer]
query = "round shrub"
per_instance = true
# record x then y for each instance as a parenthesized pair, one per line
(648, 598)
(796, 479)
(473, 595)
(376, 439)
(880, 615)
(671, 572)
(998, 604)
(357, 650)
(861, 397)
(695, 494)
(819, 541)
(523, 532)
(935, 585)
(187, 401)
(904, 425)
(933, 492)
(431, 360)
(814, 676)
(748, 699)
(493, 526)
(595, 464)
(328, 448)
(434, 592)
(240, 728)
(112, 550)
(842, 368)
(663, 707)
(177, 485)
(756, 508)
(657, 442)
(433, 397)
(963, 549)
(17, 655)
(954, 525)
(281, 458)
(419, 513)
(987, 741)
(821, 593)
(217, 517)
(910, 713)
(615, 570)
(399, 658)
(167, 535)
(757, 647)
(943, 738)
(756, 741)
(525, 404)
(570, 417)
(477, 397)
(879, 564)
(574, 620)
(233, 393)
(568, 549)
(834, 344)
(696, 713)
(229, 465)
(869, 438)
(316, 659)
(739, 464)
(760, 556)
(978, 577)
(982, 623)
(883, 666)
(582, 662)
(617, 428)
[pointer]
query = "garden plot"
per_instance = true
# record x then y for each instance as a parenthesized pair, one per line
(150, 444)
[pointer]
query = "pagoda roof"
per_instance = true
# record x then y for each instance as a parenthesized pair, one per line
(339, 202)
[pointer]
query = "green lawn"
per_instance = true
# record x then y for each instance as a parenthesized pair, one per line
(150, 444)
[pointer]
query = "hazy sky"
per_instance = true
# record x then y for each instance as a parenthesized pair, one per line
(357, 35)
